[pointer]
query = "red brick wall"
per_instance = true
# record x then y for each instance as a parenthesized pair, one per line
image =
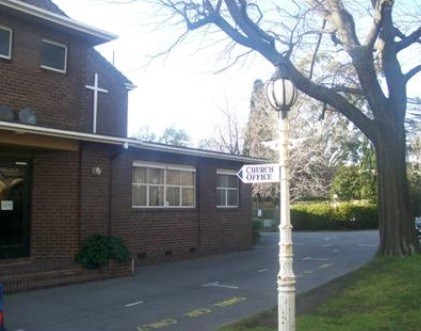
(153, 234)
(55, 205)
(53, 96)
(61, 100)
(95, 189)
(223, 228)
(112, 106)
(69, 203)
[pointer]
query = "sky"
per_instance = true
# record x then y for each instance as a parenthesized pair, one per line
(182, 89)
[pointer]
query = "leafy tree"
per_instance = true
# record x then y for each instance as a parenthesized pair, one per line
(368, 173)
(350, 183)
(369, 42)
(170, 136)
(415, 190)
(174, 136)
(414, 169)
(145, 134)
(346, 183)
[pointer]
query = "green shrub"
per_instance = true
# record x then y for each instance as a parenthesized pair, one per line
(323, 216)
(98, 250)
(257, 226)
(415, 191)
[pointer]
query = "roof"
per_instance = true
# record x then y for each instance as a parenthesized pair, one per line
(124, 142)
(45, 4)
(106, 65)
(47, 13)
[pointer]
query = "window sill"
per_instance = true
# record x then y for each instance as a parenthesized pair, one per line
(163, 209)
(236, 208)
(59, 71)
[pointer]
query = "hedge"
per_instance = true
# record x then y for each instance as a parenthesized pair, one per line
(323, 216)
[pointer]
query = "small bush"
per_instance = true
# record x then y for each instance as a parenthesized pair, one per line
(98, 250)
(326, 217)
(415, 191)
(257, 226)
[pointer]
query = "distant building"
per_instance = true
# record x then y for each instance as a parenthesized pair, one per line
(67, 169)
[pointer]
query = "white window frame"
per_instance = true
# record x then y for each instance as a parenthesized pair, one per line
(62, 71)
(8, 56)
(228, 189)
(165, 167)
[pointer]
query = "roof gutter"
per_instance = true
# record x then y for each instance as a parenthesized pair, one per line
(124, 142)
(60, 20)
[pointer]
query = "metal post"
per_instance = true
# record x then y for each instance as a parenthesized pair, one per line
(286, 277)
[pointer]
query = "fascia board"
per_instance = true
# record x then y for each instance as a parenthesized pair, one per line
(125, 142)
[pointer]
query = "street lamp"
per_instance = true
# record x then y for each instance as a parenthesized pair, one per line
(282, 94)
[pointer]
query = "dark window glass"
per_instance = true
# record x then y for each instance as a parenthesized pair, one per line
(53, 56)
(5, 43)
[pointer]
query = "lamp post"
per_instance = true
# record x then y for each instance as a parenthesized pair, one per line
(282, 94)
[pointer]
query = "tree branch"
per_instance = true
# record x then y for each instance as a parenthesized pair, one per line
(326, 95)
(319, 40)
(335, 13)
(395, 79)
(409, 40)
(374, 31)
(256, 37)
(411, 73)
(349, 90)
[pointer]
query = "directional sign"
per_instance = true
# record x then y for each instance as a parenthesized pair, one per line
(259, 173)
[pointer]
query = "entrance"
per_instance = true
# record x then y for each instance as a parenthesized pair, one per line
(14, 208)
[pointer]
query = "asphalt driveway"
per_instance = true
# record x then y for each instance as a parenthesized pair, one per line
(194, 295)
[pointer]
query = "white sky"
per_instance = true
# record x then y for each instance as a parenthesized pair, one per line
(181, 89)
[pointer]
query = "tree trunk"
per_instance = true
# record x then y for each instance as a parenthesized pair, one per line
(396, 218)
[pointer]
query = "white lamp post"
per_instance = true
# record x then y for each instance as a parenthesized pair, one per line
(282, 95)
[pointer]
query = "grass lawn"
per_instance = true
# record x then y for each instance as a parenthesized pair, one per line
(385, 295)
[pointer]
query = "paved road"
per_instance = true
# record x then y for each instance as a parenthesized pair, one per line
(195, 295)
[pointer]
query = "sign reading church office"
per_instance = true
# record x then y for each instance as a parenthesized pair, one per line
(261, 173)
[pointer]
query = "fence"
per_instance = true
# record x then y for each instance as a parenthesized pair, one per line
(269, 217)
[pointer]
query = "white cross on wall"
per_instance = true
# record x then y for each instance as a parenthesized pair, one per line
(96, 90)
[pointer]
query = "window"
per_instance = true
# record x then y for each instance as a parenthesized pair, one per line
(163, 186)
(227, 189)
(5, 43)
(53, 56)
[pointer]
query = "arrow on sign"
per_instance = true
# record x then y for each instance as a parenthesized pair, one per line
(259, 173)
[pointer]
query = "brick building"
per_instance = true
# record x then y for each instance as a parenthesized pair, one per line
(67, 169)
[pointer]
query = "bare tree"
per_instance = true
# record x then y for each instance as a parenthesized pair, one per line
(369, 42)
(261, 125)
(227, 135)
(319, 145)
